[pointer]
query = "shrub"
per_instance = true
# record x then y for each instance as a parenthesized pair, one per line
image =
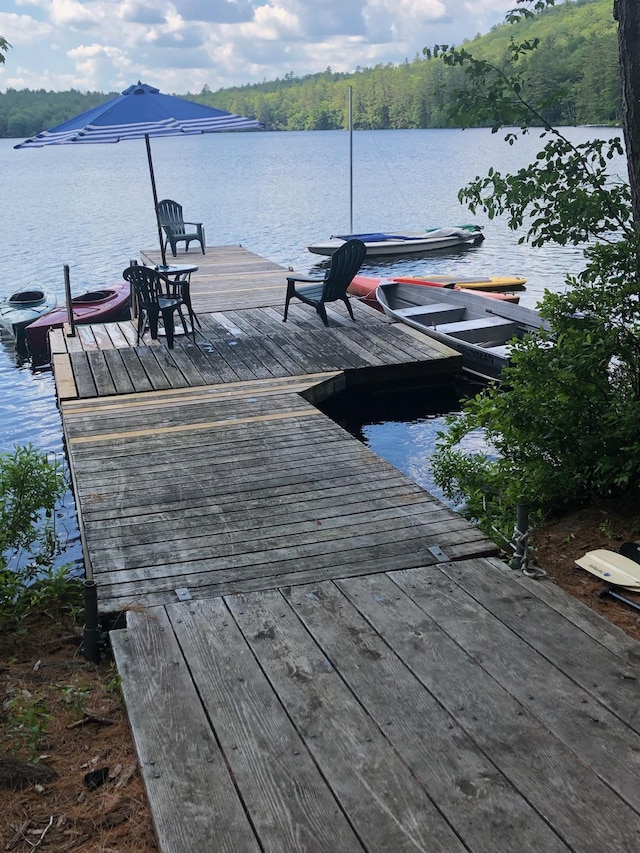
(30, 486)
(565, 425)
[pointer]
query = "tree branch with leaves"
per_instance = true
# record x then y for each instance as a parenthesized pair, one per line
(565, 425)
(4, 47)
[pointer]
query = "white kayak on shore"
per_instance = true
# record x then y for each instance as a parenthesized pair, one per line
(612, 568)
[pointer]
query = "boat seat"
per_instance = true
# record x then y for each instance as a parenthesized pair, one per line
(497, 329)
(436, 312)
(502, 350)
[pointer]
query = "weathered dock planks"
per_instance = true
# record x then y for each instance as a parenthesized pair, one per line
(247, 345)
(319, 656)
(239, 297)
(239, 487)
(440, 708)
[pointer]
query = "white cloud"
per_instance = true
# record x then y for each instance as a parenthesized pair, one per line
(179, 45)
(94, 62)
(140, 13)
(23, 29)
(70, 13)
(215, 11)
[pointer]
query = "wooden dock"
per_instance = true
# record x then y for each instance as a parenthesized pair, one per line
(318, 654)
(238, 487)
(442, 709)
(209, 468)
(239, 299)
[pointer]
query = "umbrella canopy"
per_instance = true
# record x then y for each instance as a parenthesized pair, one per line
(140, 112)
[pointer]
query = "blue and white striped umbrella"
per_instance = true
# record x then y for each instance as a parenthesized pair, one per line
(140, 112)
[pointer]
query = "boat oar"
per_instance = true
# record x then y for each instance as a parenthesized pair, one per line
(610, 592)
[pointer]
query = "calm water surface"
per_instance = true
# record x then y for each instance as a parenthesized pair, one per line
(274, 193)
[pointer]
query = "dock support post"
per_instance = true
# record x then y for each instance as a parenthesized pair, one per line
(91, 631)
(521, 537)
(67, 295)
(133, 301)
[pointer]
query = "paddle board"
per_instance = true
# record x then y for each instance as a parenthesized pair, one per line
(612, 568)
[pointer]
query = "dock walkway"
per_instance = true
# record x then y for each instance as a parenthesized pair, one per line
(441, 709)
(318, 654)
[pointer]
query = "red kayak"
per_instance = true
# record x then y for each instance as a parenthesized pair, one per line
(365, 287)
(94, 306)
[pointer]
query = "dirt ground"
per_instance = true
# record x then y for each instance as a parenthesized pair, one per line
(565, 539)
(67, 714)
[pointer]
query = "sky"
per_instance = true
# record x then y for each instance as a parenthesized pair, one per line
(180, 46)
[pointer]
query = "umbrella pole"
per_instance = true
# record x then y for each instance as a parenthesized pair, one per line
(155, 199)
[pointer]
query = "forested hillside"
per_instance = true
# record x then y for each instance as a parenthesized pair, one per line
(576, 65)
(575, 71)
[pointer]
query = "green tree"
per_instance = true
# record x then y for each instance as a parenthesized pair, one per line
(565, 425)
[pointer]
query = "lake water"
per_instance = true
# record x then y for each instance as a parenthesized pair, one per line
(91, 207)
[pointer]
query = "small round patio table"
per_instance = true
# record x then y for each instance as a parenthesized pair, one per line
(180, 275)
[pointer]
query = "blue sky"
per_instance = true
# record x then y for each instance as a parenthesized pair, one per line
(181, 45)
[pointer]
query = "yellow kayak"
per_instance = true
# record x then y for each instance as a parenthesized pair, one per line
(490, 282)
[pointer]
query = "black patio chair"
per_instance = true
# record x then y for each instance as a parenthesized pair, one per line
(345, 263)
(172, 221)
(156, 297)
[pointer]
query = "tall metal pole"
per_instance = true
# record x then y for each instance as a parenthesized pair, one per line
(350, 159)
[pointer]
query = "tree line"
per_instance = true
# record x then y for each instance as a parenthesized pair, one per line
(575, 72)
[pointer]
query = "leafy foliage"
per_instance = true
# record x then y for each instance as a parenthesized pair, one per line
(571, 180)
(565, 424)
(27, 716)
(30, 485)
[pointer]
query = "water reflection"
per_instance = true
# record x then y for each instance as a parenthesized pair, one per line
(402, 426)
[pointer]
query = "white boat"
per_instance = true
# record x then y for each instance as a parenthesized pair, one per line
(396, 242)
(406, 243)
(481, 330)
(23, 307)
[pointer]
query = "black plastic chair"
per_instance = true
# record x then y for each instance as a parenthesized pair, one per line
(345, 263)
(155, 296)
(172, 221)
